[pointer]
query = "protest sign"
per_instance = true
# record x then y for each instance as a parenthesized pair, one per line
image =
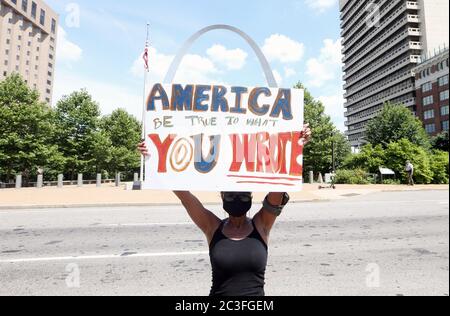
(221, 138)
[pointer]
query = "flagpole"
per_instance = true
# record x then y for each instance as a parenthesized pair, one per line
(144, 110)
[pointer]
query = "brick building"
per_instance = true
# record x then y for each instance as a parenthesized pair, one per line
(432, 93)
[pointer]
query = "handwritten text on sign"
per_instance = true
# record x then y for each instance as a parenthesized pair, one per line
(217, 138)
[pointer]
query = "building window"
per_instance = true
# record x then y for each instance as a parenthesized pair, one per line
(33, 10)
(443, 81)
(444, 95)
(427, 87)
(428, 114)
(444, 110)
(25, 5)
(53, 26)
(444, 125)
(428, 100)
(430, 128)
(42, 18)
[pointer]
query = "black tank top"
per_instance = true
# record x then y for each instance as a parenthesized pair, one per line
(238, 267)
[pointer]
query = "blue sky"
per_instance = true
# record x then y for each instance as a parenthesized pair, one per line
(100, 43)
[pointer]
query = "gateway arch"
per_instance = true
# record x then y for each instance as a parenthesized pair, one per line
(170, 76)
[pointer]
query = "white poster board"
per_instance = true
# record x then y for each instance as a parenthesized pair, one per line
(221, 138)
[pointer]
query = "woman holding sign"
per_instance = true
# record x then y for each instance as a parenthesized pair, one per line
(238, 245)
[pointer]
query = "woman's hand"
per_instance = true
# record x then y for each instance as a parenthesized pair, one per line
(143, 149)
(306, 134)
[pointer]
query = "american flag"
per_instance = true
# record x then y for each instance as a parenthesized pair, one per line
(145, 57)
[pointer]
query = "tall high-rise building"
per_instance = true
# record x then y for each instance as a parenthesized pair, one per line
(383, 41)
(28, 32)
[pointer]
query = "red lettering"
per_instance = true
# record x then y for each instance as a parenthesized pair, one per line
(163, 149)
(297, 150)
(263, 158)
(243, 150)
(283, 139)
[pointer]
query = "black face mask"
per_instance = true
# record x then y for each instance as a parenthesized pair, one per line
(237, 206)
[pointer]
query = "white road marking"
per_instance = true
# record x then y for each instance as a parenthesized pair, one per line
(145, 224)
(142, 255)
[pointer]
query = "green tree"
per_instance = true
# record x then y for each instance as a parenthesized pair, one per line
(394, 123)
(440, 167)
(78, 119)
(124, 131)
(318, 153)
(370, 159)
(441, 142)
(101, 151)
(27, 128)
(398, 153)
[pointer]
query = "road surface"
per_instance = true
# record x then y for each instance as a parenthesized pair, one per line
(381, 244)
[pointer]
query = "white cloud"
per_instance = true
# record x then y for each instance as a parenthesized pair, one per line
(233, 59)
(334, 107)
(327, 67)
(66, 50)
(321, 5)
(282, 48)
(289, 72)
(193, 68)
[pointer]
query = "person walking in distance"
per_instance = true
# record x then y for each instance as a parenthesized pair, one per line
(238, 245)
(410, 171)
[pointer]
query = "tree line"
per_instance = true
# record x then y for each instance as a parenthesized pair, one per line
(69, 139)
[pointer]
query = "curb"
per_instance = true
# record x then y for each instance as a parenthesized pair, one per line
(117, 205)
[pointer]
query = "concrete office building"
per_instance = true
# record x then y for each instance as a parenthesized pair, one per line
(383, 41)
(432, 92)
(28, 32)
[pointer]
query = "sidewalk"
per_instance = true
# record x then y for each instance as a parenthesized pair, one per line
(108, 195)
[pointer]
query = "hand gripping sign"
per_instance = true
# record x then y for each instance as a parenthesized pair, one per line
(224, 138)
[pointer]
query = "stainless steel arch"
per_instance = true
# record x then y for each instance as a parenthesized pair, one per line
(170, 76)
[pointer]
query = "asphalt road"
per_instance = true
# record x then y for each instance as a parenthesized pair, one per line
(380, 244)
